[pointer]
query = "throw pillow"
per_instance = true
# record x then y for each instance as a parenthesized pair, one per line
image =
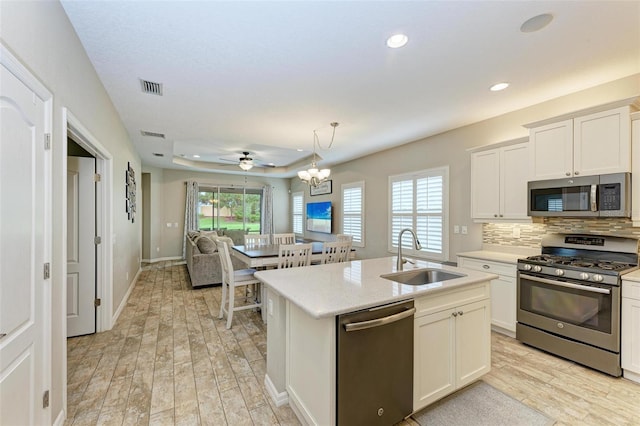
(193, 234)
(206, 245)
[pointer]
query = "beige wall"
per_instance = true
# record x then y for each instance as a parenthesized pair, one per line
(447, 149)
(168, 199)
(39, 34)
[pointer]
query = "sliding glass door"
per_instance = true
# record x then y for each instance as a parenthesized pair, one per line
(230, 208)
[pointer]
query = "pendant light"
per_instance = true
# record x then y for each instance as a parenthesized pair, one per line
(314, 176)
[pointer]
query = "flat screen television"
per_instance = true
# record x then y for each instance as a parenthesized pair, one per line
(319, 217)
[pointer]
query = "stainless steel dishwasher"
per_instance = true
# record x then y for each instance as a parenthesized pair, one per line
(375, 365)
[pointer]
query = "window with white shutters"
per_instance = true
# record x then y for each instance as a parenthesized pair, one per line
(353, 212)
(297, 220)
(419, 201)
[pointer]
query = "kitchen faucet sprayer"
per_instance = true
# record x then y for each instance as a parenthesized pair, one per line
(400, 261)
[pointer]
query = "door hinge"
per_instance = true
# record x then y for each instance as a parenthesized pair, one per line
(45, 399)
(97, 240)
(47, 271)
(97, 177)
(97, 302)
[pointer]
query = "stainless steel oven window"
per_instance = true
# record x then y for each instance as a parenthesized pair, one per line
(592, 310)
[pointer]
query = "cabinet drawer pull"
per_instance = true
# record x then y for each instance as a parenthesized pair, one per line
(2, 335)
(486, 266)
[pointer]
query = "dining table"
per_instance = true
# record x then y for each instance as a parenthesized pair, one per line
(267, 255)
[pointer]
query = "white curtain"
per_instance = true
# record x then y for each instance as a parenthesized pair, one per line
(267, 210)
(190, 213)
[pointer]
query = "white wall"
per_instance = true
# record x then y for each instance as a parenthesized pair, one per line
(447, 148)
(39, 34)
(168, 195)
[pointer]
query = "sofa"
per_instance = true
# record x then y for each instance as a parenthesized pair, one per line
(202, 259)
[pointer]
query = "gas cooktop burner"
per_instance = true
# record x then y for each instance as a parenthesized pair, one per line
(578, 262)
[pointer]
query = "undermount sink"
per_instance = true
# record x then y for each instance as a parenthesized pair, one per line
(422, 276)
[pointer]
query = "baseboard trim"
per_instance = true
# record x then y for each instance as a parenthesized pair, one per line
(59, 421)
(278, 398)
(629, 375)
(124, 300)
(163, 259)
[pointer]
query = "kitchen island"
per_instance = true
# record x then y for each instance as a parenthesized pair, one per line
(302, 305)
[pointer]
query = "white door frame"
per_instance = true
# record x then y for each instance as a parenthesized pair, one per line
(104, 218)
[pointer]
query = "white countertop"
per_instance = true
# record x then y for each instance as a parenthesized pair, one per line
(503, 254)
(494, 256)
(333, 289)
(632, 276)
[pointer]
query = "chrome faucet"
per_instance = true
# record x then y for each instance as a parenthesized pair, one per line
(400, 260)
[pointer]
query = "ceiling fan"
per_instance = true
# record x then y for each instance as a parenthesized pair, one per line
(247, 163)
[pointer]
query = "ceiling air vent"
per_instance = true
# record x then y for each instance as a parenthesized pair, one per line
(151, 88)
(152, 134)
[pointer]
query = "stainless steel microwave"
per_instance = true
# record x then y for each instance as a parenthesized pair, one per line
(600, 195)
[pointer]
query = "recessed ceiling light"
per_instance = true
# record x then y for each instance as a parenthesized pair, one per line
(498, 87)
(536, 23)
(196, 156)
(299, 149)
(397, 40)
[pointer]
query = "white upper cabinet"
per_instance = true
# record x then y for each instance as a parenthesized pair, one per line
(499, 178)
(552, 150)
(635, 169)
(585, 145)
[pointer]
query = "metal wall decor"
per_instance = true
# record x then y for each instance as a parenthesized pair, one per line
(130, 190)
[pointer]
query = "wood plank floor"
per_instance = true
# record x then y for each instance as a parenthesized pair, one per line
(170, 360)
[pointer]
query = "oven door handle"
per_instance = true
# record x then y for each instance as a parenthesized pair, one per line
(568, 285)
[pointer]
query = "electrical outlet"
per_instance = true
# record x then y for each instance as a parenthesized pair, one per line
(464, 230)
(456, 229)
(168, 224)
(175, 224)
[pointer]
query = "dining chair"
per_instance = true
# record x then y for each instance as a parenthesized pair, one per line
(344, 237)
(231, 280)
(337, 251)
(284, 238)
(294, 255)
(256, 240)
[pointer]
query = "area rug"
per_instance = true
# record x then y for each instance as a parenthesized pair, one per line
(480, 404)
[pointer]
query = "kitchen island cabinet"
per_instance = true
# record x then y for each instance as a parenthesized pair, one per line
(303, 303)
(452, 342)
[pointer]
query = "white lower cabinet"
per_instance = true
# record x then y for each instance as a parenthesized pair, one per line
(630, 338)
(503, 292)
(452, 344)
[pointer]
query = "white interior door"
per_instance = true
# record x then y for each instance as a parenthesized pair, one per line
(81, 258)
(24, 230)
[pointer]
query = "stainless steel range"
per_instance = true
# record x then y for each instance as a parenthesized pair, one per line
(569, 297)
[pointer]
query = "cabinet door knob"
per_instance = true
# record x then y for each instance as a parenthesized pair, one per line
(455, 314)
(501, 215)
(495, 215)
(460, 313)
(576, 173)
(486, 266)
(568, 174)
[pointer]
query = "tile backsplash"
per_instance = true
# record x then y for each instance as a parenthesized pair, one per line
(531, 233)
